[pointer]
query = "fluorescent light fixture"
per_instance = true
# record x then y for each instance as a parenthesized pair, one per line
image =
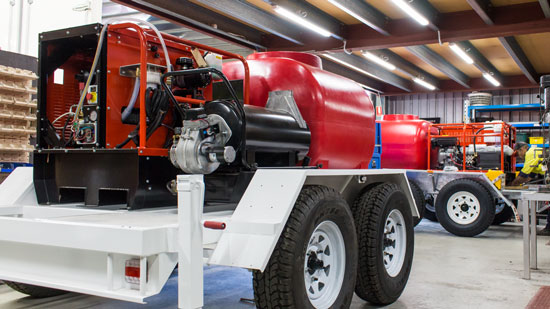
(301, 21)
(491, 79)
(461, 53)
(349, 65)
(405, 7)
(423, 83)
(339, 5)
(379, 61)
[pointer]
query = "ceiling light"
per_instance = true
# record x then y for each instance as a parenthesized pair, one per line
(301, 21)
(423, 83)
(350, 12)
(411, 12)
(379, 61)
(349, 65)
(461, 53)
(491, 79)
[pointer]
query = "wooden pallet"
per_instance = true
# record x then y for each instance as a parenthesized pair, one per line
(17, 113)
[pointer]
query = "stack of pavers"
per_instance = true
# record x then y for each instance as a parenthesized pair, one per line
(17, 115)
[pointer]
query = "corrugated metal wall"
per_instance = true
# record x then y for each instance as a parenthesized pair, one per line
(449, 106)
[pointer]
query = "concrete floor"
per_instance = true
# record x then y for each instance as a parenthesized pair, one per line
(448, 272)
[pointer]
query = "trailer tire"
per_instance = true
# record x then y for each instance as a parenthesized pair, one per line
(465, 207)
(381, 281)
(419, 200)
(429, 209)
(320, 218)
(33, 290)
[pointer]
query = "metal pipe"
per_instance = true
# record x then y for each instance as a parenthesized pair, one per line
(10, 27)
(28, 25)
(20, 27)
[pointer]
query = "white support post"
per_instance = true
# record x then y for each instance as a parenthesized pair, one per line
(533, 238)
(526, 240)
(190, 259)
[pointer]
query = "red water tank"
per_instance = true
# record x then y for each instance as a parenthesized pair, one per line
(405, 142)
(338, 111)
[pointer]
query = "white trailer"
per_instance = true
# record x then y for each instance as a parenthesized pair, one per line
(311, 237)
(465, 203)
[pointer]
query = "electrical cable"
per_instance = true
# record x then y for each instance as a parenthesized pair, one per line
(63, 115)
(90, 76)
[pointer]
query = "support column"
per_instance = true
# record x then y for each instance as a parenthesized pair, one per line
(190, 257)
(526, 238)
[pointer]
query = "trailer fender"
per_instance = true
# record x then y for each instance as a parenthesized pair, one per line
(18, 189)
(256, 225)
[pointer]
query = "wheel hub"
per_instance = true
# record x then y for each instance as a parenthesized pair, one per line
(314, 263)
(463, 207)
(394, 243)
(324, 265)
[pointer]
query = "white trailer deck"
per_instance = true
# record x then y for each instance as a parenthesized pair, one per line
(129, 255)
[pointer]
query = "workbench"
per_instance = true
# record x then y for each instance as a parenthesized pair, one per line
(529, 200)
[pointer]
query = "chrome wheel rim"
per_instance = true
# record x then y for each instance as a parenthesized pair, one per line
(324, 265)
(463, 207)
(394, 242)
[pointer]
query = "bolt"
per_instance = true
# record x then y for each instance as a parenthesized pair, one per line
(146, 180)
(108, 108)
(108, 144)
(108, 71)
(68, 32)
(149, 188)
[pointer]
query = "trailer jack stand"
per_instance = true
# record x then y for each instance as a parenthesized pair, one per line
(190, 255)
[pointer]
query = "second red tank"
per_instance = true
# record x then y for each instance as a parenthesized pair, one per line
(405, 142)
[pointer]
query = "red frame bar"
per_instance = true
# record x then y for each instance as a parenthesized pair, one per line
(143, 150)
(189, 100)
(143, 78)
